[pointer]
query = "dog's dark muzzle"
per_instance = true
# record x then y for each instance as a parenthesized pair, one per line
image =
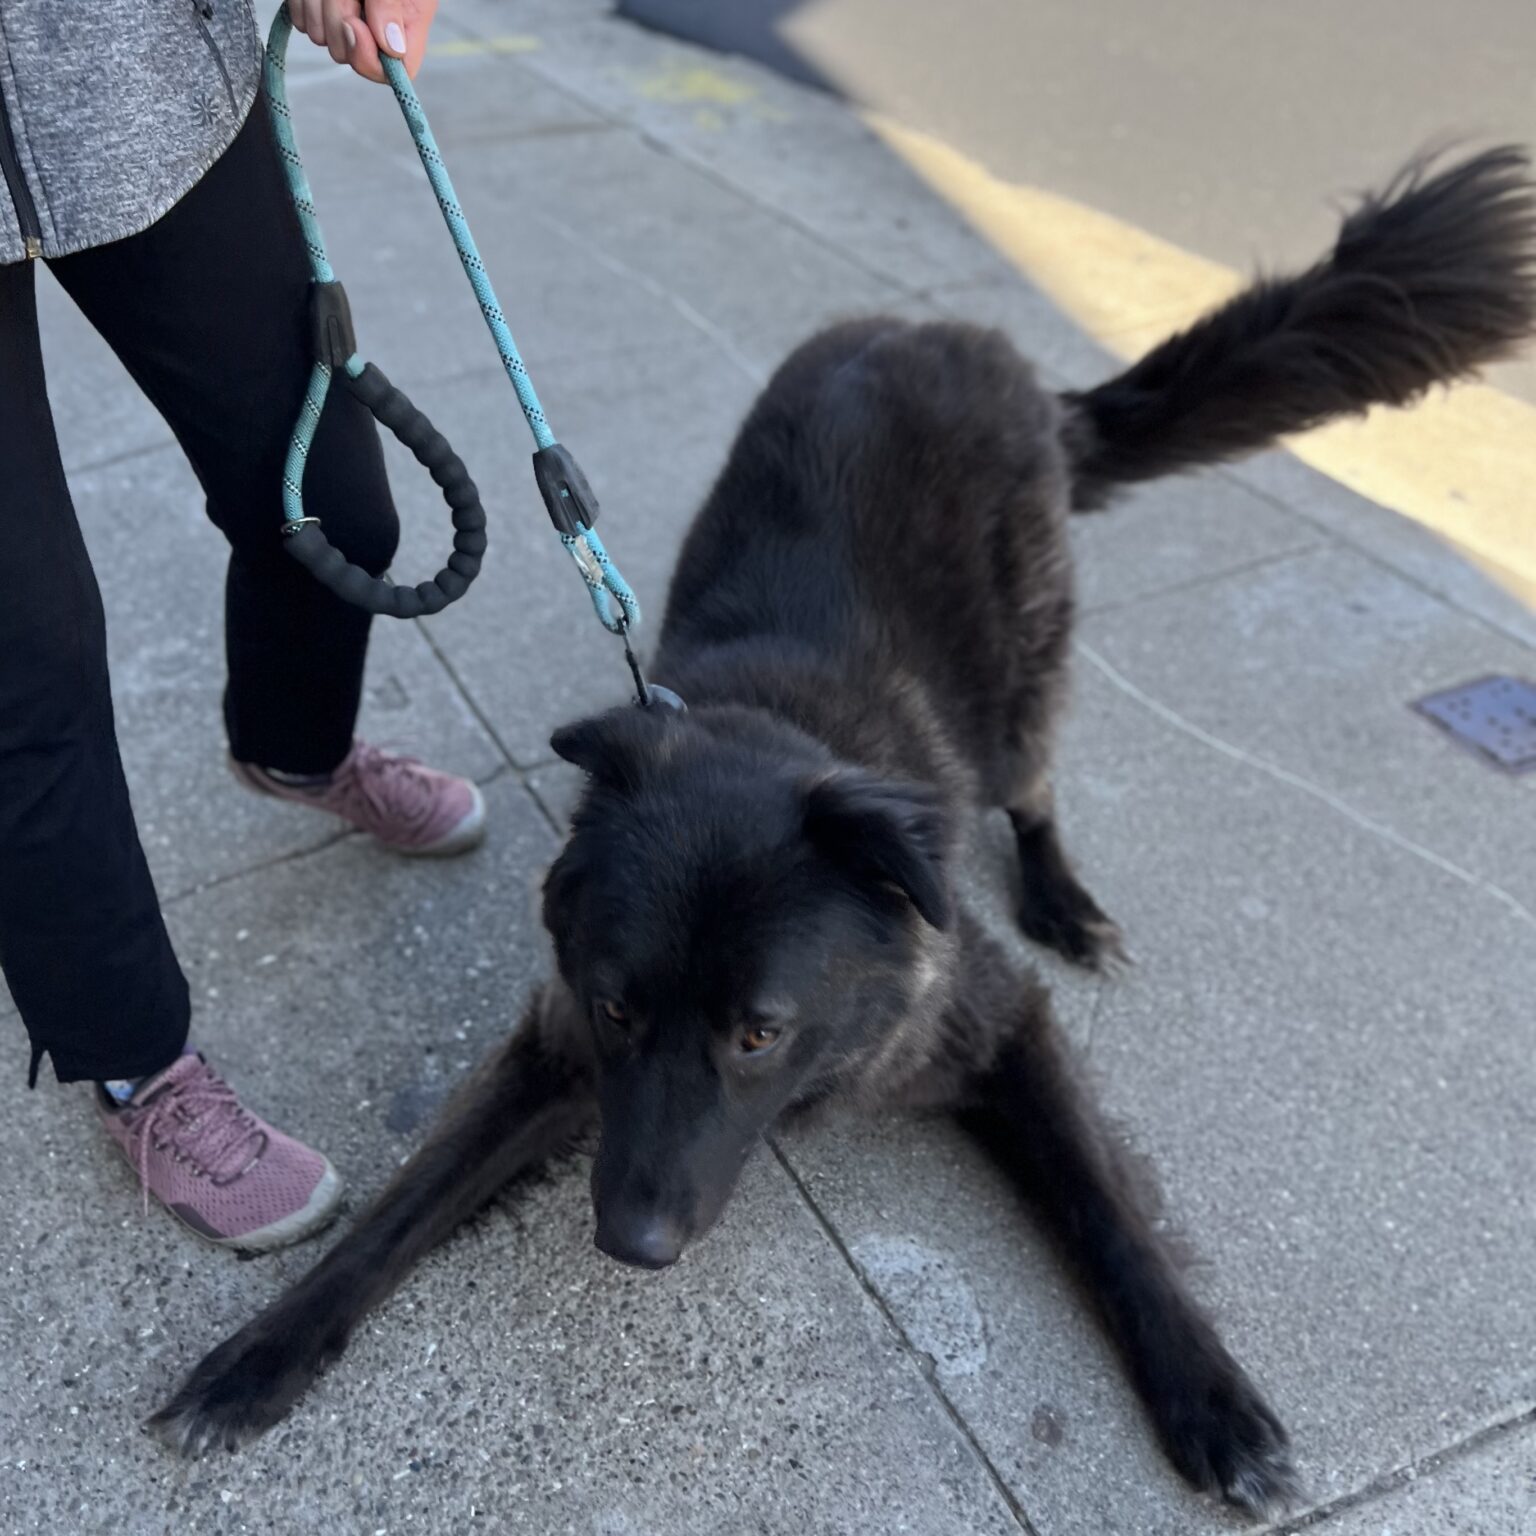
(646, 1240)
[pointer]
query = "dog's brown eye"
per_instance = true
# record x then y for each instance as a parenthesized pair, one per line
(758, 1037)
(614, 1012)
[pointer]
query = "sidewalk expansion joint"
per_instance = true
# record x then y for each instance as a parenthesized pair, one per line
(300, 855)
(509, 762)
(701, 168)
(1412, 1472)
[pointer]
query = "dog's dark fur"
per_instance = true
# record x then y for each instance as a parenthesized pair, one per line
(870, 622)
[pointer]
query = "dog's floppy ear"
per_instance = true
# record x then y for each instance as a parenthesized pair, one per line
(611, 747)
(884, 832)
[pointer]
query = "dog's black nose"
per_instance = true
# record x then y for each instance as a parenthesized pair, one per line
(648, 1241)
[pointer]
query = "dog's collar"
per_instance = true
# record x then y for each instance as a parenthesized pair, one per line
(657, 697)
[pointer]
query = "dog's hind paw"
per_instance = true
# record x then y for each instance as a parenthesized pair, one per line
(1070, 922)
(237, 1393)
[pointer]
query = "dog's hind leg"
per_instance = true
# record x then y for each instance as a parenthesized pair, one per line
(1028, 1112)
(524, 1105)
(1054, 908)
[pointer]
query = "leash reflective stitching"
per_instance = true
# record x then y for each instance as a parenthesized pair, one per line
(572, 506)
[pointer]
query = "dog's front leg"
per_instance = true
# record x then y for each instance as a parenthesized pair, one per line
(527, 1102)
(1028, 1111)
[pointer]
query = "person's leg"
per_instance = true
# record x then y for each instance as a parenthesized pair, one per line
(208, 311)
(82, 943)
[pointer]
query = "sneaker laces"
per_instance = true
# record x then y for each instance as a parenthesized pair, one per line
(202, 1122)
(375, 786)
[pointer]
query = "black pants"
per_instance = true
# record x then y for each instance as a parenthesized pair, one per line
(207, 310)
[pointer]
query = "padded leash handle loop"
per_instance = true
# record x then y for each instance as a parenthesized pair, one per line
(307, 543)
(568, 497)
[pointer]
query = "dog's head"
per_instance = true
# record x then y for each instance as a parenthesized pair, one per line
(742, 922)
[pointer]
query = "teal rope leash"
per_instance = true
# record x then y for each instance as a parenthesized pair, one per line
(571, 504)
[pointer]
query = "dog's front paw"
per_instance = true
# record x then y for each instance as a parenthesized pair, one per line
(1226, 1440)
(238, 1392)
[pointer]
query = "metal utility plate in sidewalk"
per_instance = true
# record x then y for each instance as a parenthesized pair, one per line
(1494, 717)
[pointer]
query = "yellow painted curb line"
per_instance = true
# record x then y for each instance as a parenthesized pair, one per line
(1462, 462)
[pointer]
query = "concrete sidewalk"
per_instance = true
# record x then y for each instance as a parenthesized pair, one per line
(1328, 1047)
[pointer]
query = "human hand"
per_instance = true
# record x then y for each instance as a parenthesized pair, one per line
(357, 35)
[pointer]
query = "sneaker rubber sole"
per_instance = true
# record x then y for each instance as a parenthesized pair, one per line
(469, 833)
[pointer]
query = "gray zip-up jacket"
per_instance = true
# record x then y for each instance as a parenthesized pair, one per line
(111, 110)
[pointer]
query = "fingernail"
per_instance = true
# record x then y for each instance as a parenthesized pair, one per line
(349, 34)
(394, 35)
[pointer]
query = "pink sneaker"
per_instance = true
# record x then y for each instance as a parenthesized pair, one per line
(405, 805)
(223, 1171)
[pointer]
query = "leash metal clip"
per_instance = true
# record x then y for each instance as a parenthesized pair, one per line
(648, 695)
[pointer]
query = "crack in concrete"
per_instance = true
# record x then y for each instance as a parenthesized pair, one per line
(261, 866)
(1090, 1032)
(1410, 1472)
(1380, 561)
(511, 765)
(309, 851)
(717, 335)
(1205, 579)
(919, 1358)
(1171, 717)
(709, 173)
(126, 455)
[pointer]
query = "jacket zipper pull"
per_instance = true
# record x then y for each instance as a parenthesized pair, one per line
(33, 247)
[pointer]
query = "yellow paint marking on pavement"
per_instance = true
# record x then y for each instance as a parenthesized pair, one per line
(696, 83)
(1462, 462)
(473, 47)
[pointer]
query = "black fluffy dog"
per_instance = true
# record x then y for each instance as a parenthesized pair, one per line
(755, 912)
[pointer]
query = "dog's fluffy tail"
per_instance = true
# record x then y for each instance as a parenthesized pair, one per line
(1430, 280)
